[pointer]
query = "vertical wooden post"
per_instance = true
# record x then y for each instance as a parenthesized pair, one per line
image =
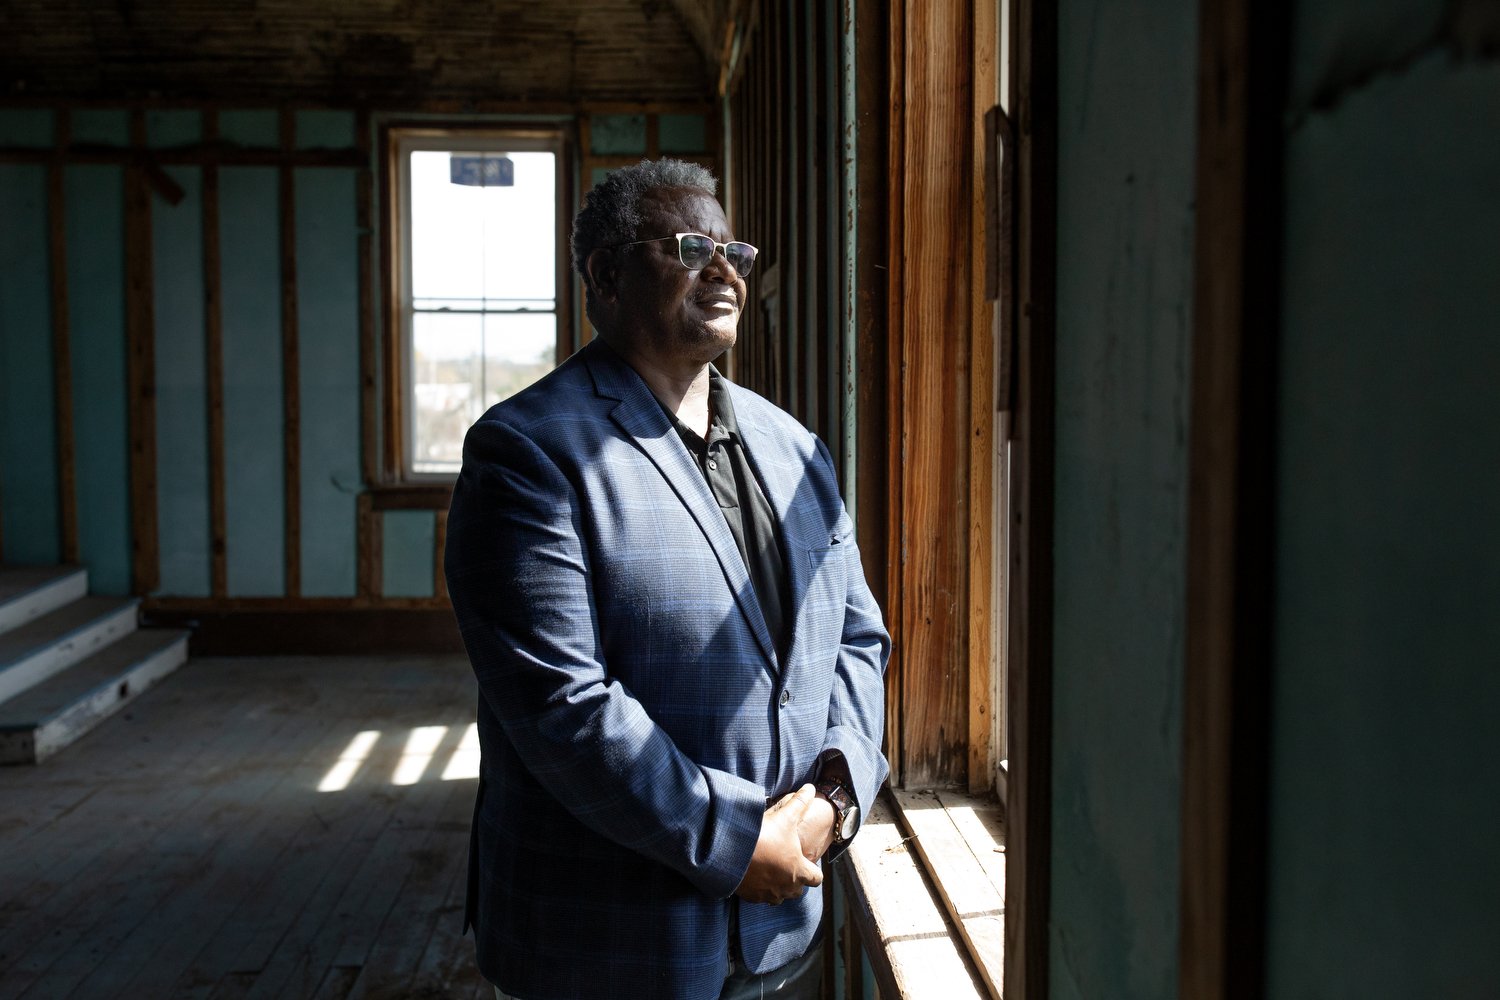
(1028, 688)
(895, 363)
(983, 595)
(363, 221)
(62, 355)
(439, 547)
(291, 377)
(936, 201)
(213, 332)
(140, 326)
(1231, 475)
(368, 532)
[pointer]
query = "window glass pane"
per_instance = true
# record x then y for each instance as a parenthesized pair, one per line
(483, 244)
(519, 349)
(464, 363)
(446, 377)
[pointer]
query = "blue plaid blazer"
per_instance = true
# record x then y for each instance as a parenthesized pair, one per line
(634, 716)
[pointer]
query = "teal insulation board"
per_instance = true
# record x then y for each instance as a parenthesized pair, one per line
(254, 483)
(328, 348)
(29, 529)
(406, 553)
(95, 214)
(182, 469)
(30, 128)
(100, 127)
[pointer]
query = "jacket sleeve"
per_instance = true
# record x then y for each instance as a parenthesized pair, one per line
(519, 577)
(856, 709)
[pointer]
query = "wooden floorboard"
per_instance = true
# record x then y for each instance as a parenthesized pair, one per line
(58, 881)
(184, 850)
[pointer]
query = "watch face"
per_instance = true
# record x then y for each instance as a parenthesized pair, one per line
(851, 821)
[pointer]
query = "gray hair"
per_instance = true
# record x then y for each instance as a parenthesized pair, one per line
(611, 212)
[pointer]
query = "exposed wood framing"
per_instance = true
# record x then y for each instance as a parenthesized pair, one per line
(1028, 687)
(412, 496)
(140, 324)
(872, 274)
(445, 52)
(439, 546)
(983, 465)
(62, 354)
(213, 332)
(289, 604)
(793, 207)
(391, 409)
(935, 345)
(224, 156)
(364, 209)
(1231, 485)
(564, 283)
(408, 626)
(368, 558)
(291, 371)
(895, 409)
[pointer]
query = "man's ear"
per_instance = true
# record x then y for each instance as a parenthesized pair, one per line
(603, 274)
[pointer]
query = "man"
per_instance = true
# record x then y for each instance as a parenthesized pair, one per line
(664, 606)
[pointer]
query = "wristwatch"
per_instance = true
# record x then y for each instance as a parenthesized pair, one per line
(845, 812)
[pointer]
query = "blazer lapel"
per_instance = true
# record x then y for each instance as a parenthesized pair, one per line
(783, 476)
(639, 415)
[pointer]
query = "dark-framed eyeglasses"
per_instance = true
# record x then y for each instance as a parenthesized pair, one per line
(695, 251)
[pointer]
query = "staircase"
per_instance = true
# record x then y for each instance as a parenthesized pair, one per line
(68, 660)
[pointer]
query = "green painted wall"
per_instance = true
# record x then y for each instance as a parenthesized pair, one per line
(94, 198)
(1125, 226)
(326, 240)
(182, 454)
(407, 552)
(328, 345)
(254, 424)
(29, 526)
(1385, 876)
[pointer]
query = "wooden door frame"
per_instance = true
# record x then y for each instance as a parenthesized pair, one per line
(1226, 697)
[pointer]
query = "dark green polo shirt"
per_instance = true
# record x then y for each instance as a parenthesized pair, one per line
(726, 466)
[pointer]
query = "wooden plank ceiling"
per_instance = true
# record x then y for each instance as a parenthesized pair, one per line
(384, 51)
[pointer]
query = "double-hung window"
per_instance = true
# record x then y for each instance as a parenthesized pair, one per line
(479, 305)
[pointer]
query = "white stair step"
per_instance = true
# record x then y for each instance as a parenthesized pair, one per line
(44, 719)
(57, 640)
(28, 592)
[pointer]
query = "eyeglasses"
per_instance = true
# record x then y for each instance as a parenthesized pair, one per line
(695, 251)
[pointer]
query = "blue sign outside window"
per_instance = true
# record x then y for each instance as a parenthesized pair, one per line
(481, 170)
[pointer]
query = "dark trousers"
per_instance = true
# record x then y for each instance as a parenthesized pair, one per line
(799, 979)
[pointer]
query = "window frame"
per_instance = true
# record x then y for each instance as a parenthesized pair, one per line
(397, 141)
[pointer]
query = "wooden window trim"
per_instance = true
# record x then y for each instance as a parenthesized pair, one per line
(554, 136)
(1021, 377)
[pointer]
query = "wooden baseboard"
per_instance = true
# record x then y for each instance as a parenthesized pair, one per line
(346, 631)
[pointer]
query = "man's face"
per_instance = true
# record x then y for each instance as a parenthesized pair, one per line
(687, 314)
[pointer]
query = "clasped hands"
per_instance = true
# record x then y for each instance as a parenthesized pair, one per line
(794, 833)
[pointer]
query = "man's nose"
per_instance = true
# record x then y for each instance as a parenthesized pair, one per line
(718, 268)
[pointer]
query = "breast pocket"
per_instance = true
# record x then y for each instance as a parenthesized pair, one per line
(825, 585)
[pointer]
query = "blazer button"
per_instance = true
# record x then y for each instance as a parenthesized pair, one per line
(786, 696)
